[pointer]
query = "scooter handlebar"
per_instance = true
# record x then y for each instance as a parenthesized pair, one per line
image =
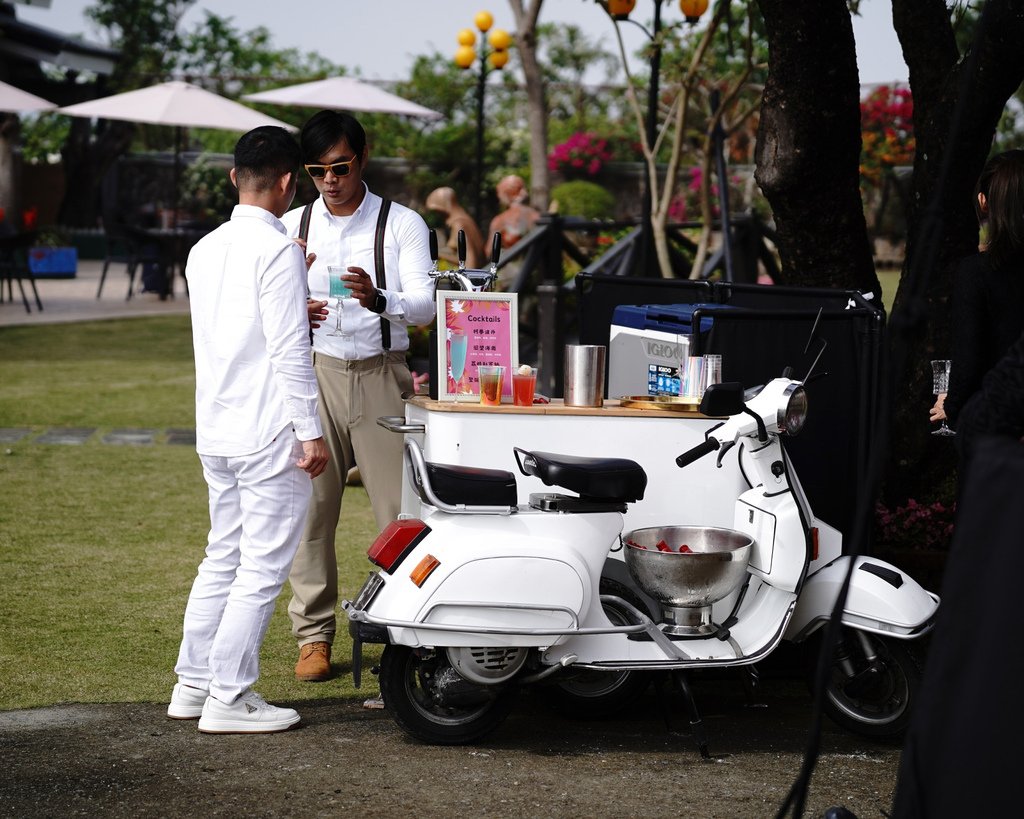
(710, 445)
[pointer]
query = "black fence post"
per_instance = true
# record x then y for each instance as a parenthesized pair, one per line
(550, 342)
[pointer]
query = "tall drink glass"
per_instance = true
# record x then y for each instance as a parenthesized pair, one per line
(712, 370)
(524, 382)
(492, 379)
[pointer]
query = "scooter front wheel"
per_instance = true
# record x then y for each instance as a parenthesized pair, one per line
(430, 701)
(872, 684)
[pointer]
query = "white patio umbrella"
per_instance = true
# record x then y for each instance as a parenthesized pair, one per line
(175, 103)
(15, 101)
(342, 93)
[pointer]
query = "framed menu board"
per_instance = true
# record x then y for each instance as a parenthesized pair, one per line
(474, 329)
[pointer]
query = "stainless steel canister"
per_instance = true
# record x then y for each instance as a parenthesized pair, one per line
(584, 375)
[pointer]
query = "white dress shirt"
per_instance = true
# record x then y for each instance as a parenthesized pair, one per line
(348, 241)
(250, 334)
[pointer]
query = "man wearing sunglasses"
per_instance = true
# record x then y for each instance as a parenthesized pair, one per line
(358, 357)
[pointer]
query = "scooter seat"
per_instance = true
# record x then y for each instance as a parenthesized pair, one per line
(472, 486)
(616, 480)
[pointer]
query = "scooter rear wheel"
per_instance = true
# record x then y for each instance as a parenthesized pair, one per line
(596, 694)
(416, 685)
(872, 685)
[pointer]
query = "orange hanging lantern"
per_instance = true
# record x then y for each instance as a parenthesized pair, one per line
(620, 9)
(693, 9)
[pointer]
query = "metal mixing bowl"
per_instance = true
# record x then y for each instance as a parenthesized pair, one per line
(716, 566)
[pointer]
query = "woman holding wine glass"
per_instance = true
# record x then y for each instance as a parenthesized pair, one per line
(988, 287)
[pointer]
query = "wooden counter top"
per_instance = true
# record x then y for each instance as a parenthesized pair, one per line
(612, 407)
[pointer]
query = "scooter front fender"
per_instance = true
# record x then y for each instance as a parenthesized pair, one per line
(881, 599)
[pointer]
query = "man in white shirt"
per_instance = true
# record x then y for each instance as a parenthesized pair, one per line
(257, 434)
(359, 349)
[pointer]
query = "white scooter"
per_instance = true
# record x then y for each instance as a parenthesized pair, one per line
(484, 595)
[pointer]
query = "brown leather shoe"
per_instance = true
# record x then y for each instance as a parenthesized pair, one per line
(314, 663)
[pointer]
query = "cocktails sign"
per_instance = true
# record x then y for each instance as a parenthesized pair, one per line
(474, 330)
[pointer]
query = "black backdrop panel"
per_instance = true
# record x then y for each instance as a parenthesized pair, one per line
(768, 332)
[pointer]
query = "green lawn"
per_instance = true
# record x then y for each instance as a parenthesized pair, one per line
(98, 542)
(133, 372)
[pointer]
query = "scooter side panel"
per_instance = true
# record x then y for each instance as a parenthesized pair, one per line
(526, 593)
(894, 604)
(530, 570)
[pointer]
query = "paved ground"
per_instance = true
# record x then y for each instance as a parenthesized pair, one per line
(75, 299)
(127, 760)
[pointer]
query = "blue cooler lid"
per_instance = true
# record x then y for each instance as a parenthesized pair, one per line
(668, 318)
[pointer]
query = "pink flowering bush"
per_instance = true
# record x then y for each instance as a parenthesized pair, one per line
(582, 153)
(915, 525)
(686, 203)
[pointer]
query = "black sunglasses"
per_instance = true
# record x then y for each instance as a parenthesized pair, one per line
(338, 169)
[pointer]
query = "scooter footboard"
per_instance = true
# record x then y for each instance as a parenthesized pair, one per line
(881, 599)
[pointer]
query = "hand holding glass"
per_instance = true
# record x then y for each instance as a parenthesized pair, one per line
(940, 384)
(338, 289)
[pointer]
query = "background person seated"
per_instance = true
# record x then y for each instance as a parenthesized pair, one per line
(518, 218)
(443, 200)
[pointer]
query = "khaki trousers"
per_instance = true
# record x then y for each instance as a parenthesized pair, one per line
(353, 395)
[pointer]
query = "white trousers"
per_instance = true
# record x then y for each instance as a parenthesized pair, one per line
(258, 507)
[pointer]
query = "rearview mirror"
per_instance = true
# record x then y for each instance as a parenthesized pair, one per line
(723, 399)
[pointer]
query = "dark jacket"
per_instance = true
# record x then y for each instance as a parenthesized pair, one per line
(988, 317)
(997, 408)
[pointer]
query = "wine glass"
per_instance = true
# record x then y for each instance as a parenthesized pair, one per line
(940, 384)
(339, 290)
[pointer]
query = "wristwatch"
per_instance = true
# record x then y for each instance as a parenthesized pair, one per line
(380, 303)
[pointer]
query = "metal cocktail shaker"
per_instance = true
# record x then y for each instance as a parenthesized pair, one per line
(584, 375)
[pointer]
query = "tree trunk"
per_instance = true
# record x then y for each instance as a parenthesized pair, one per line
(536, 105)
(808, 145)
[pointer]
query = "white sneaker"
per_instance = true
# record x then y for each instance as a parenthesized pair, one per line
(186, 702)
(249, 714)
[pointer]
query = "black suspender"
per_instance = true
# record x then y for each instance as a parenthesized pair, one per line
(378, 263)
(307, 213)
(378, 257)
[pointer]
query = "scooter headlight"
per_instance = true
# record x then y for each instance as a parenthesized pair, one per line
(791, 419)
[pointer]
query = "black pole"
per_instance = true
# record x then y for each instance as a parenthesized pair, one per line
(646, 230)
(481, 85)
(718, 136)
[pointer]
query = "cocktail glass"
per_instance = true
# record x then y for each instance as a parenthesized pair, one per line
(940, 384)
(523, 386)
(338, 289)
(492, 378)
